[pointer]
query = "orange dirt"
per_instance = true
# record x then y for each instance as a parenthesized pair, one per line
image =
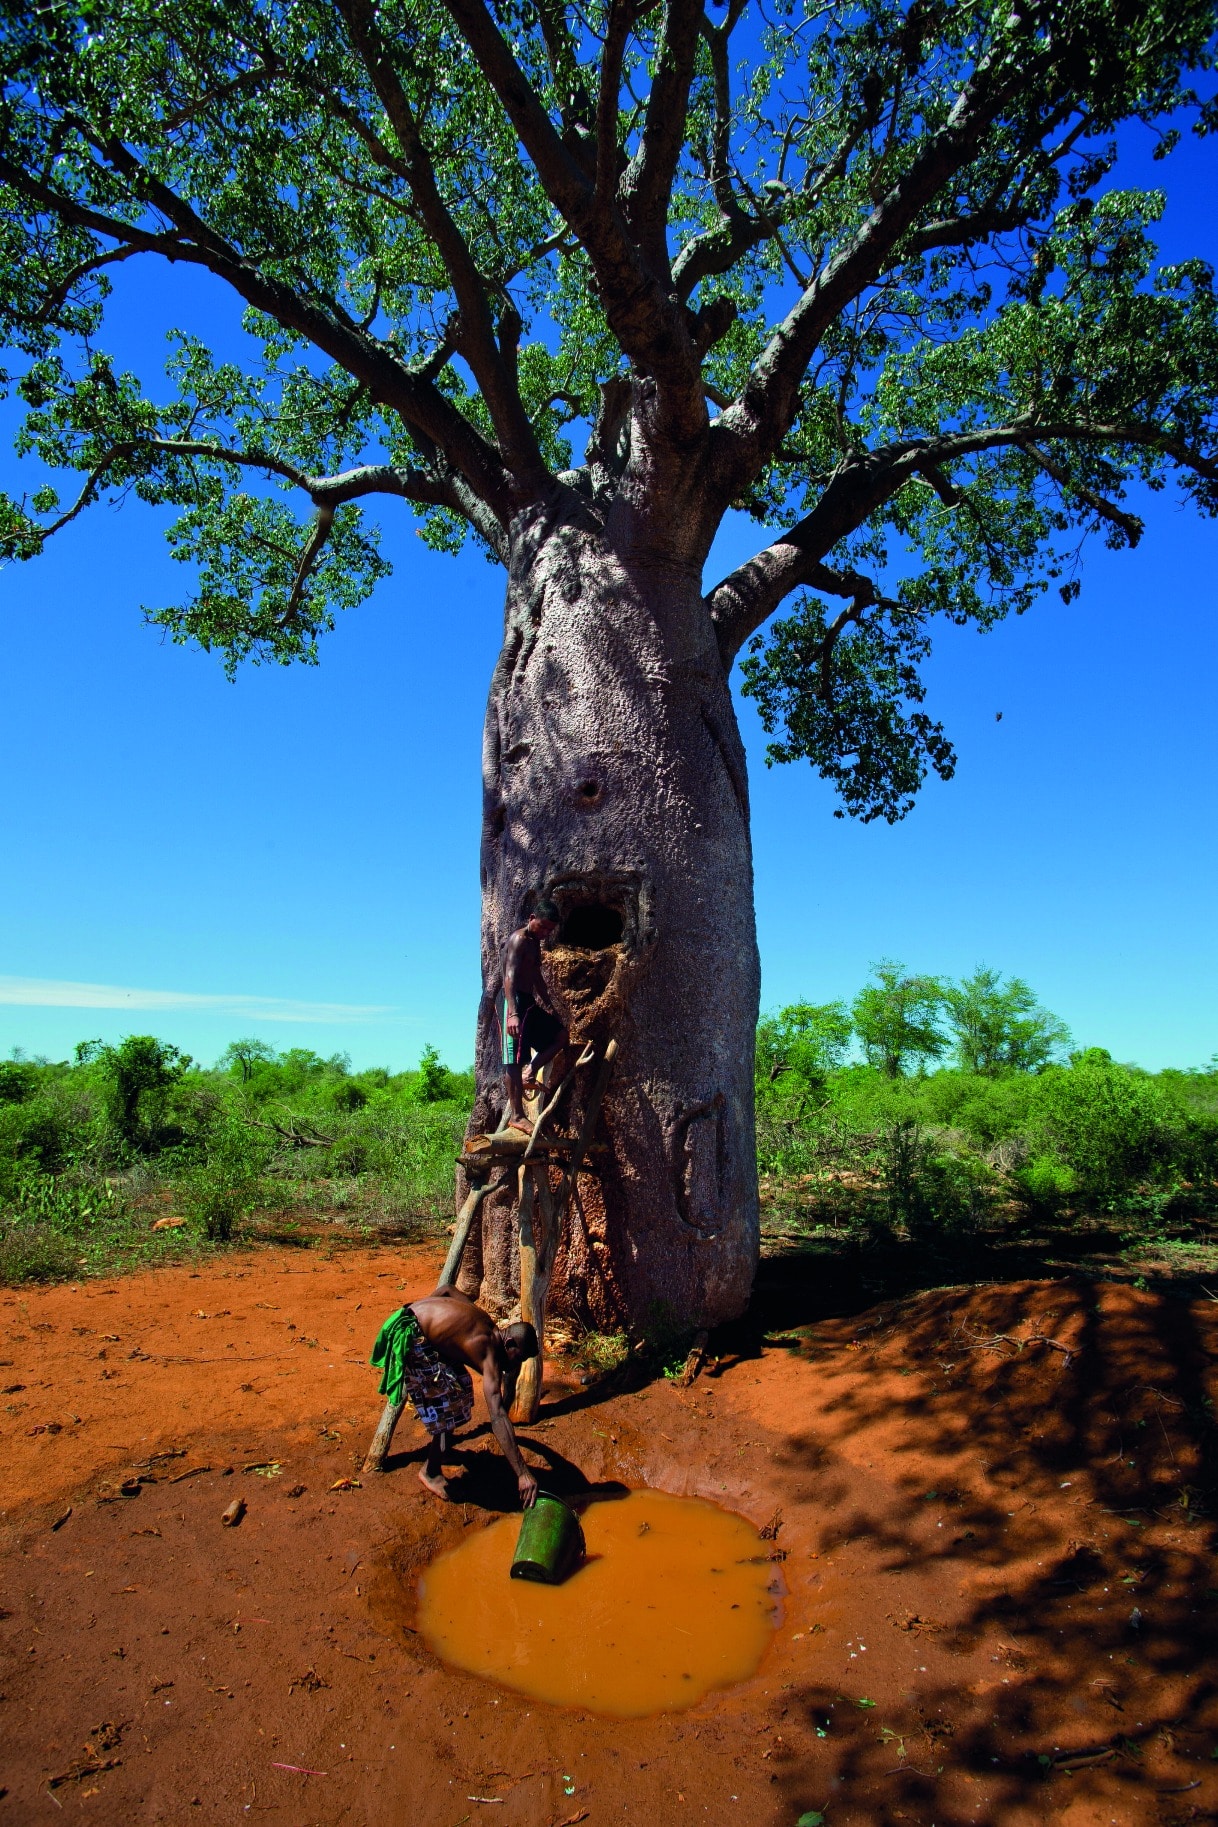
(978, 1489)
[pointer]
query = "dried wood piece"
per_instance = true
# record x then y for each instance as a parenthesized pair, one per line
(235, 1511)
(695, 1361)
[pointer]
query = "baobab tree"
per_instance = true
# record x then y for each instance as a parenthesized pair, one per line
(861, 272)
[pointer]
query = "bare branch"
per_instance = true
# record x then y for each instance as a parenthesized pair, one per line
(1129, 524)
(647, 181)
(475, 335)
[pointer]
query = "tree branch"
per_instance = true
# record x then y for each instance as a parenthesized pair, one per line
(475, 335)
(648, 179)
(566, 184)
(1129, 524)
(57, 297)
(648, 322)
(744, 437)
(389, 381)
(622, 14)
(860, 484)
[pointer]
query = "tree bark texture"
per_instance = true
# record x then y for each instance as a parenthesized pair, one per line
(614, 782)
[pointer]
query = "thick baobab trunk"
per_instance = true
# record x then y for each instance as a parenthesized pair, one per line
(614, 782)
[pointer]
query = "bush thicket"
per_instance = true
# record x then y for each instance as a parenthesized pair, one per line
(1011, 1135)
(94, 1152)
(1014, 1133)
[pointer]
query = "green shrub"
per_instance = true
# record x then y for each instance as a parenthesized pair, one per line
(1107, 1122)
(33, 1251)
(1045, 1182)
(18, 1080)
(222, 1183)
(138, 1075)
(930, 1193)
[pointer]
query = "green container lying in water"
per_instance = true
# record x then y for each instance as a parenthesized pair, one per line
(550, 1544)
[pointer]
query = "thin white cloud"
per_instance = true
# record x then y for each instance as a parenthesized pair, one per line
(51, 993)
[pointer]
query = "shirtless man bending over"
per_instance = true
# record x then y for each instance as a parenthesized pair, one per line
(428, 1350)
(529, 1022)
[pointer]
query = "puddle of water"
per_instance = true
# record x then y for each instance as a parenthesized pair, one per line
(672, 1601)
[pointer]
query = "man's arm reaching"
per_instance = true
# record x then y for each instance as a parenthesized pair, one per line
(501, 1425)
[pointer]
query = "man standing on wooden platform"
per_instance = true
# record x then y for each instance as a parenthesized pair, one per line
(530, 1027)
(427, 1350)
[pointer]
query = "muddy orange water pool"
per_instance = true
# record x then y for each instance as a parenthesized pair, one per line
(676, 1597)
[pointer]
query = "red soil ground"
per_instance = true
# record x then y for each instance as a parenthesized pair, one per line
(994, 1509)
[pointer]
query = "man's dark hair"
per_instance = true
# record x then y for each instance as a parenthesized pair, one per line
(522, 1334)
(546, 910)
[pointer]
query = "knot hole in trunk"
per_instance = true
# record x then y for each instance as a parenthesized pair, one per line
(590, 926)
(602, 920)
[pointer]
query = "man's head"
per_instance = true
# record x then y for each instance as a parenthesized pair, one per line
(519, 1341)
(543, 921)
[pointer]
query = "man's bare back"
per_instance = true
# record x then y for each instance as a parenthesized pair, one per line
(462, 1334)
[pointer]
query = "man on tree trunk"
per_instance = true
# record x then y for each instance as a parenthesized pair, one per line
(861, 273)
(532, 1029)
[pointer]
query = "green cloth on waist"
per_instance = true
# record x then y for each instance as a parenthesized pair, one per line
(394, 1343)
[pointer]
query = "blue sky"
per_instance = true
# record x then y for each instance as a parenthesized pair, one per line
(295, 855)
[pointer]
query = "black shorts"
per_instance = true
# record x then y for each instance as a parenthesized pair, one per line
(538, 1030)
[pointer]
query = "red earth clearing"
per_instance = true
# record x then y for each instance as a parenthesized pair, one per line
(989, 1509)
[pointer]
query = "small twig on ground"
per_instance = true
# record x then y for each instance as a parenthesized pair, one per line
(695, 1361)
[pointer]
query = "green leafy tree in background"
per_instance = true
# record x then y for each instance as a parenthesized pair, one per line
(1001, 1027)
(805, 1042)
(434, 1082)
(859, 271)
(898, 1019)
(141, 1071)
(243, 1058)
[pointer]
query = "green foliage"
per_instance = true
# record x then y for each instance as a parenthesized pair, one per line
(221, 1182)
(1007, 1139)
(139, 1073)
(897, 1018)
(438, 283)
(802, 1043)
(598, 1353)
(434, 1081)
(1108, 1123)
(91, 1153)
(930, 1192)
(18, 1080)
(1001, 1027)
(33, 1251)
(244, 1057)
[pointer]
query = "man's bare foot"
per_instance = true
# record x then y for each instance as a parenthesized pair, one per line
(523, 1124)
(435, 1482)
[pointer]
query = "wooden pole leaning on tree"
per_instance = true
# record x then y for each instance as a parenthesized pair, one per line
(378, 1452)
(541, 1215)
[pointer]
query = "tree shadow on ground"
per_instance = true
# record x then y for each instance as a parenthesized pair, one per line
(1068, 1436)
(801, 1283)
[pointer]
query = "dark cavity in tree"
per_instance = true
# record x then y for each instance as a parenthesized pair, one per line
(592, 927)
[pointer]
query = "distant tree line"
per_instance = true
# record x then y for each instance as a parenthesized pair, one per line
(903, 1022)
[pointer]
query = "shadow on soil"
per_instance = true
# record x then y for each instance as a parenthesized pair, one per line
(1083, 1402)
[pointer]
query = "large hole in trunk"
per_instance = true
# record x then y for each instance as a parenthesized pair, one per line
(590, 926)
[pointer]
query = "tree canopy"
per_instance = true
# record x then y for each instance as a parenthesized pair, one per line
(860, 270)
